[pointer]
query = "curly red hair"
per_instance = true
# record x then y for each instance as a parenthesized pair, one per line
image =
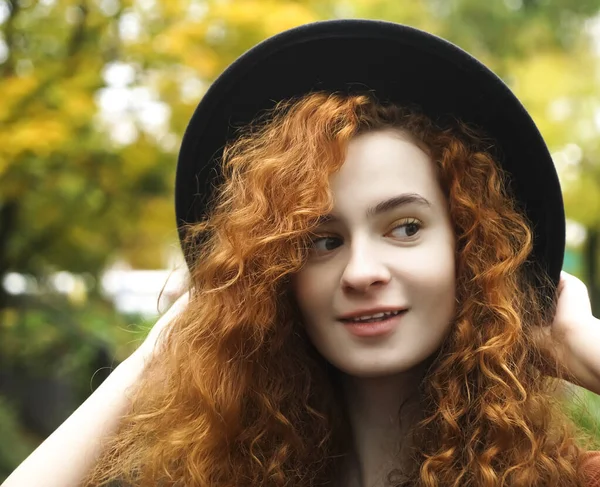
(238, 395)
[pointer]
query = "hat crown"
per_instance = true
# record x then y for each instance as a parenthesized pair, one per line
(399, 64)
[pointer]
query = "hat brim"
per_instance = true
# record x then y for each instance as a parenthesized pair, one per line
(399, 64)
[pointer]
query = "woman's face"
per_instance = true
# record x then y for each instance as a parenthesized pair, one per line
(398, 257)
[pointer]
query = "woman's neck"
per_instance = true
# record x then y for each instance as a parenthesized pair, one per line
(381, 412)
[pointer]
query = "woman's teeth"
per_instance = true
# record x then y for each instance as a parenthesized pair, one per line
(375, 317)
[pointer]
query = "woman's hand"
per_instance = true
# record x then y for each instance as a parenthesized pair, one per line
(576, 333)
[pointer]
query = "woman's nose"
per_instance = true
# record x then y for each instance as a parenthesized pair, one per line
(364, 268)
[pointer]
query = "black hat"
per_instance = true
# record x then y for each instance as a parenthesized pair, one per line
(398, 64)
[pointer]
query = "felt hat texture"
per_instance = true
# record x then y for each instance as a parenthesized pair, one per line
(399, 64)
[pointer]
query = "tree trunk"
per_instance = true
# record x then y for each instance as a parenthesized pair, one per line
(8, 223)
(591, 268)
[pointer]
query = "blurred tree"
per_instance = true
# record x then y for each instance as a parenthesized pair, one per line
(96, 96)
(65, 203)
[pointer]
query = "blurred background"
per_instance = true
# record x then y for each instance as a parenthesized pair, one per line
(94, 98)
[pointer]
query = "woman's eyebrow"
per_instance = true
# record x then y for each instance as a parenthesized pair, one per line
(384, 206)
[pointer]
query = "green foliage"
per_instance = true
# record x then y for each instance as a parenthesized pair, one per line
(15, 444)
(54, 334)
(54, 338)
(584, 410)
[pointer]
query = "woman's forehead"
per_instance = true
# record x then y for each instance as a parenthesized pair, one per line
(383, 165)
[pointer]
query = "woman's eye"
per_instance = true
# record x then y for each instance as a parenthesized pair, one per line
(324, 243)
(409, 228)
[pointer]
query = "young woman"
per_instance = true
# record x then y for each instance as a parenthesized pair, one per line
(374, 231)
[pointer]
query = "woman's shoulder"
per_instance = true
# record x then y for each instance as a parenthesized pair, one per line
(591, 467)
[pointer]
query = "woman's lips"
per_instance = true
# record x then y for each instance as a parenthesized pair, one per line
(374, 328)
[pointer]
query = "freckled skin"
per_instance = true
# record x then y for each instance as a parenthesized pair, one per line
(401, 258)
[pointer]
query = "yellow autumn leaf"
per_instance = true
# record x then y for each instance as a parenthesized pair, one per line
(40, 136)
(241, 12)
(286, 16)
(546, 77)
(582, 200)
(14, 89)
(158, 228)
